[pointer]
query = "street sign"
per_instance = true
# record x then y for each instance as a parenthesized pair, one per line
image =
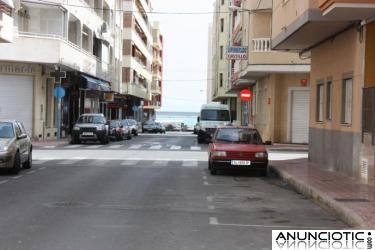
(246, 95)
(59, 92)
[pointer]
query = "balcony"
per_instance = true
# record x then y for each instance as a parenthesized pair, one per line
(305, 30)
(155, 88)
(6, 28)
(347, 10)
(261, 44)
(53, 49)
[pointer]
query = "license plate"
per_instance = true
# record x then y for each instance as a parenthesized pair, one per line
(240, 163)
(87, 133)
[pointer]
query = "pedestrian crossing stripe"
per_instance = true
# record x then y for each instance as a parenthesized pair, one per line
(129, 162)
(122, 146)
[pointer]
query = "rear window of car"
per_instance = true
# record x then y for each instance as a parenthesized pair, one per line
(238, 135)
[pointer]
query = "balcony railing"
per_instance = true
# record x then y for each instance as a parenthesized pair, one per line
(261, 44)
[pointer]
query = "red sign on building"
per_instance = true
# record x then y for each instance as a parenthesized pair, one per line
(246, 95)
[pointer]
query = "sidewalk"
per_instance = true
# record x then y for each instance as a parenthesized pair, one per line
(51, 142)
(352, 201)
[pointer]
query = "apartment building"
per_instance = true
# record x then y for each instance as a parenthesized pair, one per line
(278, 81)
(6, 21)
(339, 36)
(220, 66)
(157, 72)
(58, 44)
(137, 56)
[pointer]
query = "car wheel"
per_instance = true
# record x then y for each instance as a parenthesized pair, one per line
(29, 161)
(16, 164)
(264, 172)
(200, 140)
(75, 140)
(105, 140)
(135, 133)
(213, 170)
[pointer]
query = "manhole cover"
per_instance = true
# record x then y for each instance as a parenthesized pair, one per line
(351, 200)
(68, 204)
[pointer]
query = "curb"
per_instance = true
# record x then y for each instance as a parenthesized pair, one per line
(346, 214)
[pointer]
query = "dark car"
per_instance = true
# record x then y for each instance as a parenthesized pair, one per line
(91, 127)
(15, 146)
(160, 128)
(237, 148)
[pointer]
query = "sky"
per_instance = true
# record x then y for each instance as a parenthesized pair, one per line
(185, 52)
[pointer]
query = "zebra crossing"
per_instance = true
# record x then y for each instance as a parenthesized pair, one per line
(130, 162)
(126, 147)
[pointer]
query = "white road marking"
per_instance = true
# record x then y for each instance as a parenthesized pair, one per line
(211, 207)
(136, 146)
(189, 163)
(130, 162)
(73, 146)
(214, 221)
(68, 162)
(94, 146)
(156, 147)
(210, 198)
(3, 182)
(17, 177)
(195, 148)
(42, 168)
(174, 147)
(204, 177)
(205, 183)
(115, 146)
(160, 163)
(38, 162)
(31, 172)
(51, 146)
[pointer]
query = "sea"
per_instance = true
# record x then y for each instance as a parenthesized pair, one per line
(168, 117)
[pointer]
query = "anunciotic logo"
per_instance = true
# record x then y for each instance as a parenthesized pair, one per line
(322, 239)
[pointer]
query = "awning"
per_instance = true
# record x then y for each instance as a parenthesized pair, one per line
(96, 84)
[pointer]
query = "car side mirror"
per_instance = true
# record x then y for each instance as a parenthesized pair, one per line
(268, 143)
(22, 136)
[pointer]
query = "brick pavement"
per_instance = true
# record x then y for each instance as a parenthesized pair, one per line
(351, 200)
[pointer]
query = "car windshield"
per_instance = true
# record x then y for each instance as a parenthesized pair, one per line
(239, 135)
(6, 130)
(90, 119)
(215, 115)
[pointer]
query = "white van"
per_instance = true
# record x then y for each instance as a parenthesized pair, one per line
(211, 116)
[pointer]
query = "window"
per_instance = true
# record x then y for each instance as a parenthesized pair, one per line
(329, 101)
(222, 2)
(221, 79)
(222, 25)
(346, 103)
(221, 52)
(319, 102)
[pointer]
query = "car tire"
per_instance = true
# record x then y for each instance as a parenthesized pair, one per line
(211, 168)
(75, 140)
(105, 140)
(29, 162)
(16, 164)
(200, 140)
(264, 172)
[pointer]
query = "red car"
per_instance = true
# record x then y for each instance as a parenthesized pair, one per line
(237, 148)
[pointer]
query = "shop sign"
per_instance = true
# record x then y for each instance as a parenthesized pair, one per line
(17, 69)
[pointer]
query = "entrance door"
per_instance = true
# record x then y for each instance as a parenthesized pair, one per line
(299, 116)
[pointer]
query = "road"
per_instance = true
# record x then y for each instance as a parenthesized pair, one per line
(150, 192)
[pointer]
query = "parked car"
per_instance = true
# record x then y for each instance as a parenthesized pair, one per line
(91, 127)
(150, 127)
(118, 130)
(237, 148)
(160, 128)
(15, 146)
(133, 125)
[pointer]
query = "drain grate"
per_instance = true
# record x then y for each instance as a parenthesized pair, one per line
(351, 200)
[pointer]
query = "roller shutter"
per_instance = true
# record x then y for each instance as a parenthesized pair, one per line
(16, 99)
(300, 116)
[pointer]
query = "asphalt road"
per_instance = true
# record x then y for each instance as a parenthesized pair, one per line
(151, 192)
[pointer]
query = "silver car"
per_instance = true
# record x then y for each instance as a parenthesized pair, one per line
(15, 146)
